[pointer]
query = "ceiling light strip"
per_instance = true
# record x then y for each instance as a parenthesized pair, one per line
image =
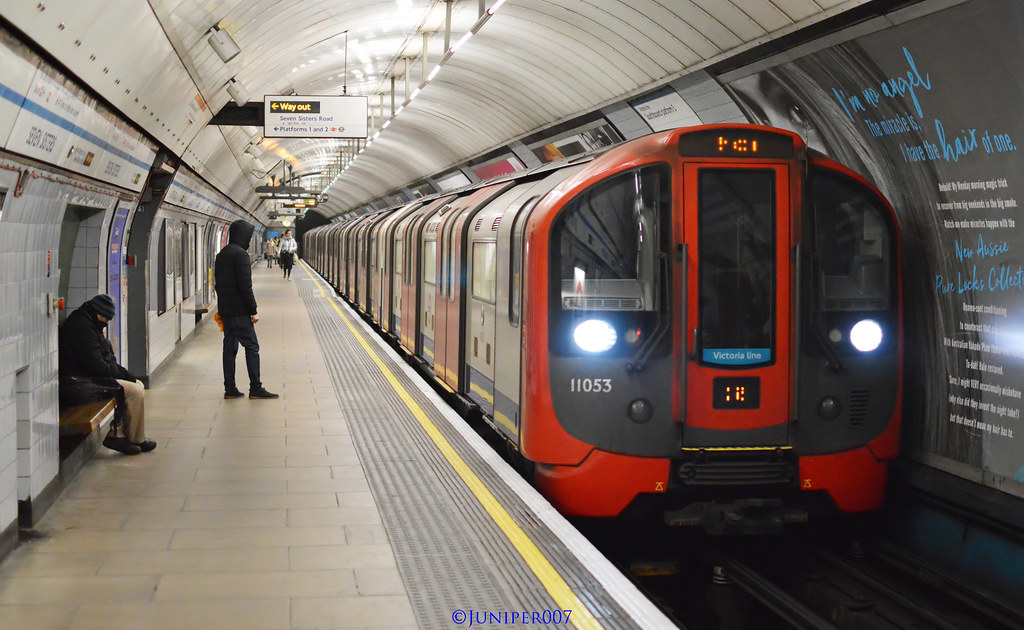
(430, 77)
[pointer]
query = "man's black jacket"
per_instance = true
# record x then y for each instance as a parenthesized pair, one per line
(232, 273)
(84, 351)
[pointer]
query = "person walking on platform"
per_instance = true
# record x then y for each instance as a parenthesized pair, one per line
(287, 249)
(270, 252)
(87, 365)
(232, 280)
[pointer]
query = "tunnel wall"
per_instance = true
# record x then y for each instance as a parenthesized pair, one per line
(925, 105)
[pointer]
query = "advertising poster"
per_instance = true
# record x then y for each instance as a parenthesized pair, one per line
(114, 285)
(927, 112)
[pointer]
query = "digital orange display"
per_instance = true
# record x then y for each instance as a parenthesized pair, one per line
(741, 392)
(737, 145)
(740, 143)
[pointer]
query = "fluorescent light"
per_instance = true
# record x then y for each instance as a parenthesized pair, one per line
(415, 93)
(399, 110)
(385, 125)
(462, 40)
(376, 135)
(433, 73)
(494, 7)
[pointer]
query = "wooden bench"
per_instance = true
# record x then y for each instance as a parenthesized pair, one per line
(84, 419)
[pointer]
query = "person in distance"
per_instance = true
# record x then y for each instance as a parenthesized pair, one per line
(270, 252)
(86, 364)
(287, 249)
(232, 280)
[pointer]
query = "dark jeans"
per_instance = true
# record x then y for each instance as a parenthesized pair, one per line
(285, 261)
(239, 330)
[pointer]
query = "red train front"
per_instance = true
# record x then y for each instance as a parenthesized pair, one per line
(713, 320)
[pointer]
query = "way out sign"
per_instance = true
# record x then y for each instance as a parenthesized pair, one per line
(314, 116)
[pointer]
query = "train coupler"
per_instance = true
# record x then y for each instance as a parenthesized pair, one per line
(741, 517)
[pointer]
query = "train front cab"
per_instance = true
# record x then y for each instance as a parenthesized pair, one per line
(703, 326)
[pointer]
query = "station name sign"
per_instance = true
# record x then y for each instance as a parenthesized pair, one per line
(314, 116)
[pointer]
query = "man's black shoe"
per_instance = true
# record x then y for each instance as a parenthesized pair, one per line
(233, 394)
(122, 445)
(146, 445)
(261, 393)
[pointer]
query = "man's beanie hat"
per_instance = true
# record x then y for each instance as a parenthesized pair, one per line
(102, 305)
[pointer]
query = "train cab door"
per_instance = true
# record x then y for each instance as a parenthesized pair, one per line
(737, 235)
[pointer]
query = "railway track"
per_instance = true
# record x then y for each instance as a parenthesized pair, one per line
(801, 581)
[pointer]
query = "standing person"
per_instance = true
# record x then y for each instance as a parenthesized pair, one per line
(83, 352)
(270, 250)
(232, 276)
(287, 249)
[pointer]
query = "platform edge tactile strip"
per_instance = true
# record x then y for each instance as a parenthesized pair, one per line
(451, 554)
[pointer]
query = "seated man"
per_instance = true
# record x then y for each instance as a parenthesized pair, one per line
(85, 352)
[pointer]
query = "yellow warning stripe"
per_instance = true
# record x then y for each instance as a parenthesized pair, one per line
(483, 393)
(563, 595)
(503, 420)
(737, 448)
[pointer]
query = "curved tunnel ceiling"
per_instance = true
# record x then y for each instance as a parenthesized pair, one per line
(532, 64)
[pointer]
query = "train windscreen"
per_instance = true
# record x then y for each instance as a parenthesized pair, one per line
(736, 219)
(610, 255)
(854, 245)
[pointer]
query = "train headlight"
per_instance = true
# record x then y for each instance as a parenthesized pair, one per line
(595, 335)
(866, 335)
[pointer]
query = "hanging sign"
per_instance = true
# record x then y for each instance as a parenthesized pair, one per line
(314, 116)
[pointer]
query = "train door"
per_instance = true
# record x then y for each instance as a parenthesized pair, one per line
(351, 254)
(482, 289)
(431, 278)
(451, 305)
(414, 328)
(444, 292)
(391, 267)
(737, 232)
(396, 267)
(375, 272)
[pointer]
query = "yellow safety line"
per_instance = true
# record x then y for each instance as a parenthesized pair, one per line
(538, 563)
(737, 448)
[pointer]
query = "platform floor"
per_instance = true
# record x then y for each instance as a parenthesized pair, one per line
(264, 513)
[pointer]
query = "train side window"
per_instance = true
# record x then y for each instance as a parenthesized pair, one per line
(409, 232)
(485, 259)
(430, 262)
(448, 260)
(515, 279)
(398, 255)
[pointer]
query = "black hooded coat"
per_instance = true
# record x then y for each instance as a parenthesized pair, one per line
(232, 273)
(84, 351)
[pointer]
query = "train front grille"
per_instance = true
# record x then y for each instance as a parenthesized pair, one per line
(736, 470)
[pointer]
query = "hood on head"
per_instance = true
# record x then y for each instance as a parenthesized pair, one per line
(240, 233)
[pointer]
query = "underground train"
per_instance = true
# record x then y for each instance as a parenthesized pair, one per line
(705, 321)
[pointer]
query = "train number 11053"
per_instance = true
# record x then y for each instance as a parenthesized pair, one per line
(590, 385)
